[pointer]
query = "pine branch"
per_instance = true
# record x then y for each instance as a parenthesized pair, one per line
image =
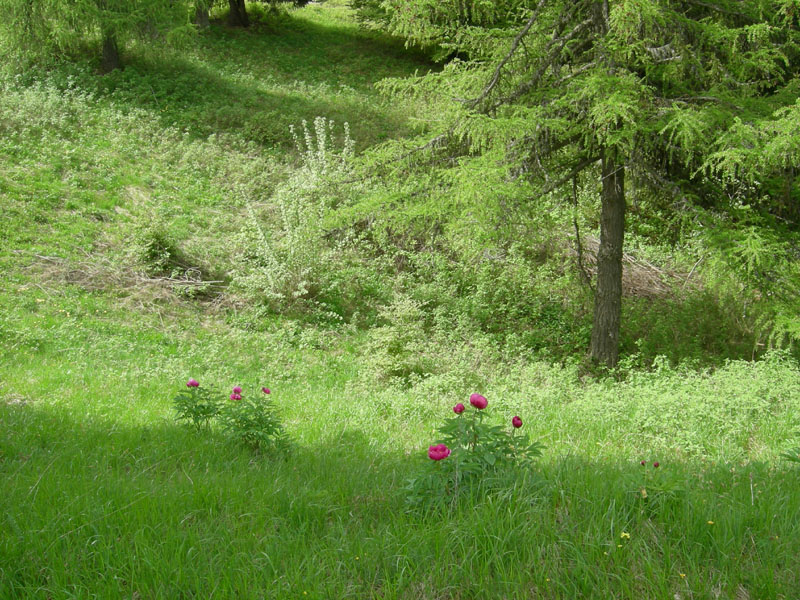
(544, 66)
(574, 74)
(514, 45)
(586, 162)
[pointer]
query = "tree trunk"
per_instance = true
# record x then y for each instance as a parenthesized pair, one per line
(608, 296)
(111, 58)
(237, 17)
(201, 16)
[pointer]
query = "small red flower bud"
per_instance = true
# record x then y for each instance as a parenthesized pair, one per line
(643, 463)
(458, 408)
(265, 390)
(655, 464)
(478, 401)
(516, 422)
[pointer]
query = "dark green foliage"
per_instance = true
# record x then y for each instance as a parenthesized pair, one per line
(372, 13)
(249, 418)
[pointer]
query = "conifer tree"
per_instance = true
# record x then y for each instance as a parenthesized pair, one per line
(43, 28)
(628, 93)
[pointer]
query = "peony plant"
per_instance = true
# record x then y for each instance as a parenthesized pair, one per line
(469, 451)
(479, 446)
(196, 404)
(251, 419)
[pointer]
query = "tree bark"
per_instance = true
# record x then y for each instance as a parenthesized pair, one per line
(608, 295)
(237, 17)
(111, 58)
(201, 16)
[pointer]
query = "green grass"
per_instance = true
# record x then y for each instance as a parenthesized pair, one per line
(105, 496)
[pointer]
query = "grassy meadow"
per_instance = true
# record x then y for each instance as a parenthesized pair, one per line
(105, 495)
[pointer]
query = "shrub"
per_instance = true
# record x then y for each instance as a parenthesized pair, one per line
(153, 248)
(285, 260)
(399, 349)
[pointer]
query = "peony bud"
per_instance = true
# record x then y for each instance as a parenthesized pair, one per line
(458, 408)
(265, 390)
(236, 396)
(237, 390)
(192, 383)
(655, 464)
(516, 422)
(478, 401)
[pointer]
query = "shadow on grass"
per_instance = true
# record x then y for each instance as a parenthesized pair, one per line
(256, 83)
(693, 328)
(161, 511)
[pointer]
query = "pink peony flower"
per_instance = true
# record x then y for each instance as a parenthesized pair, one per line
(478, 401)
(516, 422)
(458, 408)
(192, 383)
(237, 390)
(236, 396)
(438, 452)
(265, 390)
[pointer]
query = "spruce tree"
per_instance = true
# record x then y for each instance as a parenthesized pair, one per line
(635, 94)
(46, 28)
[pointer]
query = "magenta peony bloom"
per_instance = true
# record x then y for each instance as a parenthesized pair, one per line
(193, 383)
(478, 401)
(438, 452)
(236, 396)
(237, 390)
(458, 408)
(265, 390)
(655, 464)
(516, 422)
